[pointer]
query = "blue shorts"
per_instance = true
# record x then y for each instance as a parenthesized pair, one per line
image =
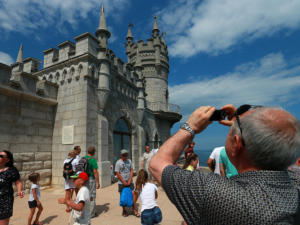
(151, 216)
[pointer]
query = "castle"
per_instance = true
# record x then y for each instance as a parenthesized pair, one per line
(85, 95)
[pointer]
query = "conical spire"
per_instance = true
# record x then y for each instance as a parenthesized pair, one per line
(102, 23)
(129, 34)
(20, 55)
(155, 26)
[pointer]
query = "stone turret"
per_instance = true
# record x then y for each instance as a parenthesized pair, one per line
(102, 33)
(140, 84)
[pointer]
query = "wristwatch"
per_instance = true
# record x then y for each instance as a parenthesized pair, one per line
(186, 126)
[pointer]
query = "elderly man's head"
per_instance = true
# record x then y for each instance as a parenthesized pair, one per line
(270, 138)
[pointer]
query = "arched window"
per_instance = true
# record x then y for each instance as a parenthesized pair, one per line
(122, 139)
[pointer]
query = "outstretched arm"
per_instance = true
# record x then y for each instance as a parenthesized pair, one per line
(171, 150)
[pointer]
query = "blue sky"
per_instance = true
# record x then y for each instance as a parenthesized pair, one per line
(221, 51)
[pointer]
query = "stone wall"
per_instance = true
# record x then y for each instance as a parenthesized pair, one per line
(26, 124)
(26, 130)
(71, 111)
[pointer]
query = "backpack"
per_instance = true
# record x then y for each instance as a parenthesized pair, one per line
(68, 170)
(126, 198)
(82, 165)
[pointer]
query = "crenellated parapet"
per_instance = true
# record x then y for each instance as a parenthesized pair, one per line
(26, 85)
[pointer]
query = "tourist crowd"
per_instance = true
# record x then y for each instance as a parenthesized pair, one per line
(255, 177)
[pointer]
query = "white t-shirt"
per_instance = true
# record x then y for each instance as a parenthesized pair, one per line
(216, 156)
(37, 191)
(73, 162)
(147, 196)
(83, 217)
(76, 160)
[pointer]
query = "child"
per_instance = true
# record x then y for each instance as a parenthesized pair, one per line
(191, 162)
(81, 205)
(147, 191)
(34, 199)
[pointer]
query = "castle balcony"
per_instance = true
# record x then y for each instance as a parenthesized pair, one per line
(170, 112)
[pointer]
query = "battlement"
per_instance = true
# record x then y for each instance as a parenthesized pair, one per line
(85, 43)
(152, 52)
(26, 85)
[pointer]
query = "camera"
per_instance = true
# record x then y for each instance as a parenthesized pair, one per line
(219, 114)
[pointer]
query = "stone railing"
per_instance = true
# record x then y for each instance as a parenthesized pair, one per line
(161, 106)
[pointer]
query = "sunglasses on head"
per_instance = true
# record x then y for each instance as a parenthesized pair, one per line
(241, 110)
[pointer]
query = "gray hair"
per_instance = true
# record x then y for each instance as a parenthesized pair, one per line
(271, 137)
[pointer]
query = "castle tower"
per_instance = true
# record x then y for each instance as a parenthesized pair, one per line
(156, 73)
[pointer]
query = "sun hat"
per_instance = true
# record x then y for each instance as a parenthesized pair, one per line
(124, 151)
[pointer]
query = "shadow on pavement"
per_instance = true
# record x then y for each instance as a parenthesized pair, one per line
(102, 208)
(48, 219)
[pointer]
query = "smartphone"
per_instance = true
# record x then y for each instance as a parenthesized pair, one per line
(219, 114)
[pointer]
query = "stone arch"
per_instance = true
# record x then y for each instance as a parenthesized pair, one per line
(50, 78)
(80, 69)
(64, 75)
(72, 72)
(124, 115)
(57, 76)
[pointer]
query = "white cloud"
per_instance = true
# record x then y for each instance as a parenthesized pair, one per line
(268, 81)
(213, 26)
(28, 16)
(5, 58)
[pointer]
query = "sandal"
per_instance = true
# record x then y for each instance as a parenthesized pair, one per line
(124, 214)
(137, 214)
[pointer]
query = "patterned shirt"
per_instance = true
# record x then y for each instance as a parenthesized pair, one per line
(254, 197)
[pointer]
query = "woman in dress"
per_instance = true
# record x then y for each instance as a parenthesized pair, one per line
(8, 175)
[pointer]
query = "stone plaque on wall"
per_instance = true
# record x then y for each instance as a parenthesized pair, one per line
(68, 135)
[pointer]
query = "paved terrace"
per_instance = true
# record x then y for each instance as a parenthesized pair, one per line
(107, 206)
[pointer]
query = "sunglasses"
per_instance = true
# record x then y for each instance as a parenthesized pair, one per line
(2, 156)
(241, 110)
